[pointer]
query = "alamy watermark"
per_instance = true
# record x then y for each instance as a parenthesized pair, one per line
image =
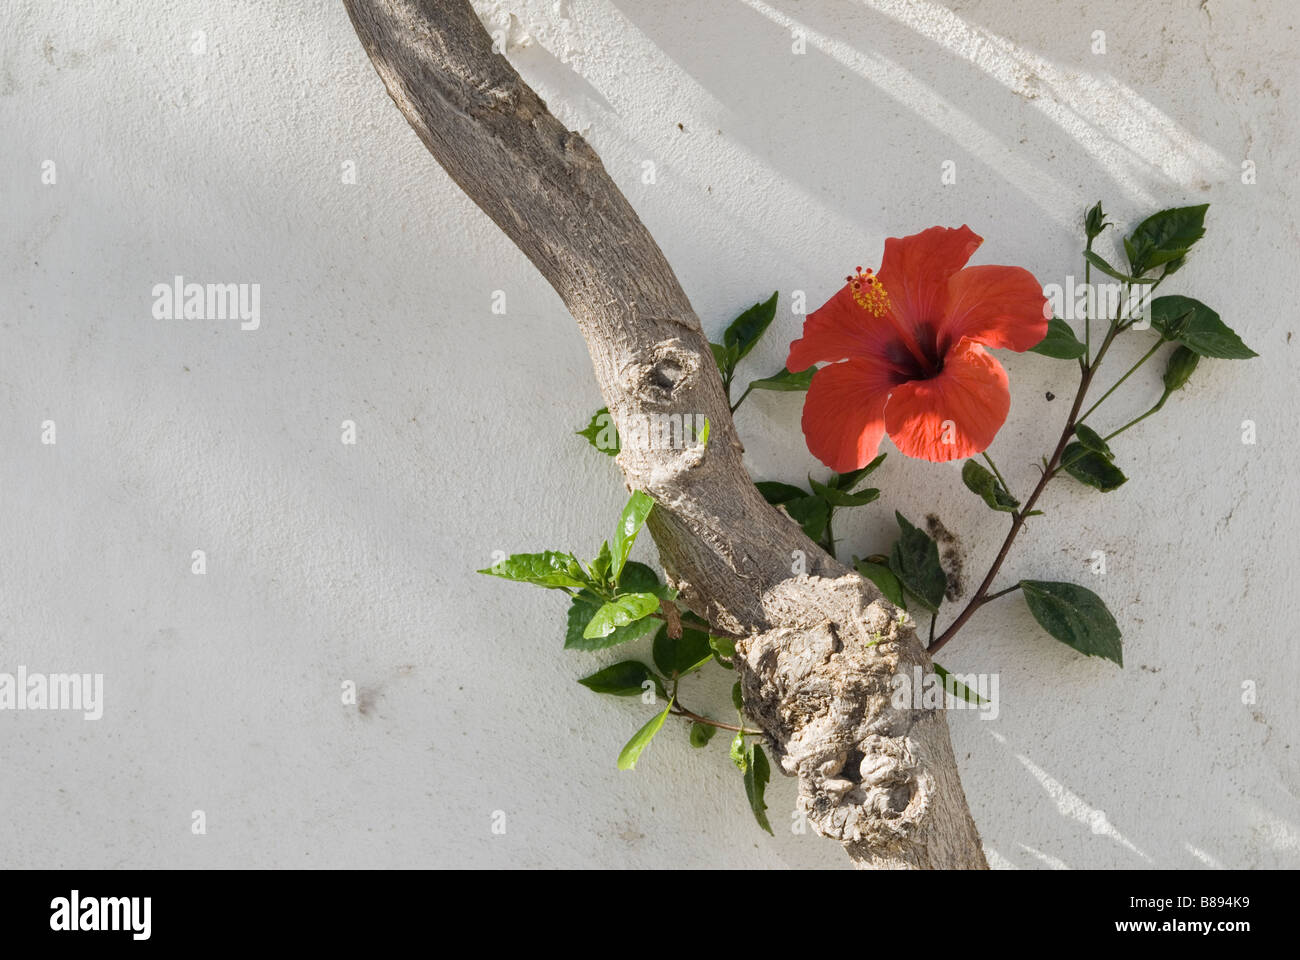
(1078, 301)
(75, 913)
(929, 691)
(53, 691)
(179, 300)
(648, 431)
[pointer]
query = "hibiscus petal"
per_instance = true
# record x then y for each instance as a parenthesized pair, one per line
(841, 328)
(953, 415)
(843, 416)
(996, 306)
(915, 271)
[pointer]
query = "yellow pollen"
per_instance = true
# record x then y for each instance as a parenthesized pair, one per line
(869, 293)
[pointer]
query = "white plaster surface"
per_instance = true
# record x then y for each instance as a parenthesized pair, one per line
(329, 562)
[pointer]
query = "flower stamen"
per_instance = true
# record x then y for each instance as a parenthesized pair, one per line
(869, 293)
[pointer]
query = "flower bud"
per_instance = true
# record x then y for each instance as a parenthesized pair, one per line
(1094, 221)
(1179, 369)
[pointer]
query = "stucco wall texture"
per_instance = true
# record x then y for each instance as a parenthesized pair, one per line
(215, 142)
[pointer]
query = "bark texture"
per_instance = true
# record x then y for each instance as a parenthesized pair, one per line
(820, 645)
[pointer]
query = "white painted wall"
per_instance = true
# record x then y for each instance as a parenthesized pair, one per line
(329, 562)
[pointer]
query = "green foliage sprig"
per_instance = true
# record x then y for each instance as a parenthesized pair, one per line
(1071, 613)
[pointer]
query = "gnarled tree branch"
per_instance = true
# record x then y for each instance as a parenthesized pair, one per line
(819, 647)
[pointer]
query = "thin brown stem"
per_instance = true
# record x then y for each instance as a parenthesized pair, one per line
(1018, 519)
(1115, 386)
(691, 715)
(1136, 420)
(1001, 593)
(736, 406)
(712, 630)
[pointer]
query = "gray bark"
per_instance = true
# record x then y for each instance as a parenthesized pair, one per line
(819, 647)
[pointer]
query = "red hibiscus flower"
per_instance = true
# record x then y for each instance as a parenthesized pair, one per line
(906, 355)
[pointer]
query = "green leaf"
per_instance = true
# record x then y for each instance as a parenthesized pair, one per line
(703, 437)
(550, 569)
(915, 561)
(1178, 370)
(745, 331)
(1130, 251)
(1092, 440)
(986, 486)
(757, 773)
(581, 612)
(619, 612)
(737, 700)
(1060, 343)
(808, 510)
(601, 432)
(725, 358)
(1164, 236)
(681, 656)
(638, 508)
(1100, 263)
(1110, 271)
(701, 734)
(1091, 468)
(956, 689)
(739, 755)
(811, 513)
(723, 646)
(847, 481)
(1076, 616)
(628, 756)
(777, 493)
(1198, 328)
(638, 578)
(840, 498)
(884, 580)
(600, 566)
(784, 380)
(623, 679)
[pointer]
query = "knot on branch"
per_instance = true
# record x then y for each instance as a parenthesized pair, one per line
(877, 791)
(824, 694)
(670, 370)
(578, 152)
(508, 95)
(663, 439)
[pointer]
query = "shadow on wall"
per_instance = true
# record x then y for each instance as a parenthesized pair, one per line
(1002, 113)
